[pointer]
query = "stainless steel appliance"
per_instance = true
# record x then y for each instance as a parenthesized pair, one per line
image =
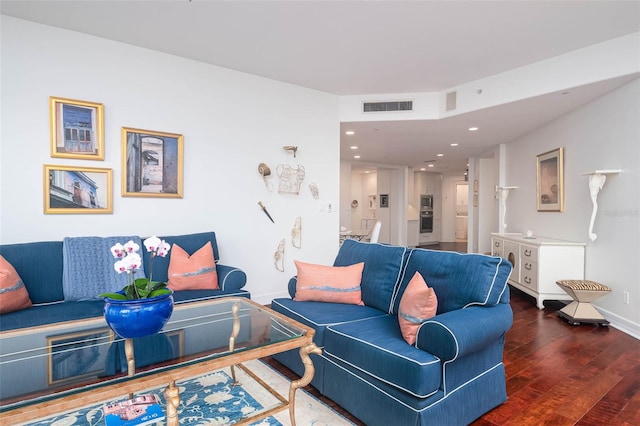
(426, 202)
(426, 221)
(426, 214)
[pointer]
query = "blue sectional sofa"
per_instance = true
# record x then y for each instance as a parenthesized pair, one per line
(40, 266)
(452, 375)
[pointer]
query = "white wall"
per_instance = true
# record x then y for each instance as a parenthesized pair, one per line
(603, 134)
(231, 122)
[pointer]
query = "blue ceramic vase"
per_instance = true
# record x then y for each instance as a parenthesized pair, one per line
(138, 318)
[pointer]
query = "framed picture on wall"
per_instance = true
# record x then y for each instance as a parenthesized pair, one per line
(550, 181)
(77, 129)
(384, 201)
(77, 190)
(152, 163)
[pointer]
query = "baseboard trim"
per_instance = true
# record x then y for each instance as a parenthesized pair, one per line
(629, 327)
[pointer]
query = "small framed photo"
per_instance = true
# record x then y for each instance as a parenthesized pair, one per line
(78, 355)
(77, 190)
(550, 181)
(151, 163)
(77, 129)
(384, 201)
(475, 185)
(475, 200)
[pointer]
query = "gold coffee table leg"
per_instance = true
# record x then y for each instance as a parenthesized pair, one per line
(234, 333)
(172, 397)
(131, 361)
(309, 370)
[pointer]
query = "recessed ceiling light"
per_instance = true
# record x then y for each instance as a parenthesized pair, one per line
(429, 165)
(349, 132)
(454, 144)
(473, 129)
(353, 147)
(439, 155)
(356, 156)
(422, 169)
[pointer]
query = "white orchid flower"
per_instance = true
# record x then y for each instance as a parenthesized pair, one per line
(131, 247)
(133, 261)
(163, 249)
(152, 243)
(118, 251)
(120, 266)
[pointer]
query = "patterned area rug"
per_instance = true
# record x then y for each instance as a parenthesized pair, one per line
(213, 400)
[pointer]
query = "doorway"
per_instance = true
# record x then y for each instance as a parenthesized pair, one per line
(462, 211)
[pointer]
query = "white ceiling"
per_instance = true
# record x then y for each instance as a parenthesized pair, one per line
(370, 47)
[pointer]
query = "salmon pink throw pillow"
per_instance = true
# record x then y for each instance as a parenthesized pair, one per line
(337, 284)
(418, 304)
(192, 272)
(13, 293)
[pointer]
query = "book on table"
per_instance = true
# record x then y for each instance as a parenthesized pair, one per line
(139, 411)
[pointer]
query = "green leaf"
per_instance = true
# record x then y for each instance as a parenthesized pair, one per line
(116, 296)
(159, 292)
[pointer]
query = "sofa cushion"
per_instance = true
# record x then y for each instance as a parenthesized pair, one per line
(88, 266)
(319, 315)
(13, 293)
(376, 347)
(52, 313)
(192, 272)
(418, 304)
(44, 283)
(189, 243)
(337, 284)
(382, 270)
(459, 279)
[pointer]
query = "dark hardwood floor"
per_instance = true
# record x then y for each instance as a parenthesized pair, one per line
(558, 374)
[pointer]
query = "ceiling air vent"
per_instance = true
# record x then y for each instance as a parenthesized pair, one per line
(389, 106)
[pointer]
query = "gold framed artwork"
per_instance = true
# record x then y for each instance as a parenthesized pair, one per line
(152, 163)
(77, 190)
(550, 181)
(73, 356)
(77, 129)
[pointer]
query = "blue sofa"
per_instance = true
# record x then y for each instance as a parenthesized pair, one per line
(452, 375)
(40, 266)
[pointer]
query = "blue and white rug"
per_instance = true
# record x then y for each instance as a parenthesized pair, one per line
(212, 400)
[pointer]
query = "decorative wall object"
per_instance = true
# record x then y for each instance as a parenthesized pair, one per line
(290, 178)
(372, 202)
(384, 201)
(596, 182)
(265, 211)
(504, 195)
(354, 204)
(291, 148)
(296, 233)
(265, 172)
(314, 190)
(475, 185)
(77, 129)
(278, 256)
(77, 190)
(152, 163)
(550, 181)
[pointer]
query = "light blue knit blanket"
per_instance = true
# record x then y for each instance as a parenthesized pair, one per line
(88, 266)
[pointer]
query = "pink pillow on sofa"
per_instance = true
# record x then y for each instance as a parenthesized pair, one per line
(195, 272)
(13, 293)
(338, 284)
(418, 304)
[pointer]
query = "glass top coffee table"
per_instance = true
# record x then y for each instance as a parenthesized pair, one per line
(56, 368)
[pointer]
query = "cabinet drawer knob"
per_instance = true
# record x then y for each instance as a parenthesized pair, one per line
(497, 244)
(527, 266)
(527, 252)
(527, 280)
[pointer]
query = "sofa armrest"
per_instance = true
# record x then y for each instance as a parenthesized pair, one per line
(230, 278)
(291, 286)
(456, 333)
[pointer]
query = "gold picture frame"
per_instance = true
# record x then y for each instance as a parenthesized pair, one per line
(152, 163)
(77, 355)
(77, 190)
(77, 129)
(550, 181)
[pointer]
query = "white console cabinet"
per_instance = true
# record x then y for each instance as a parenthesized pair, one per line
(538, 262)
